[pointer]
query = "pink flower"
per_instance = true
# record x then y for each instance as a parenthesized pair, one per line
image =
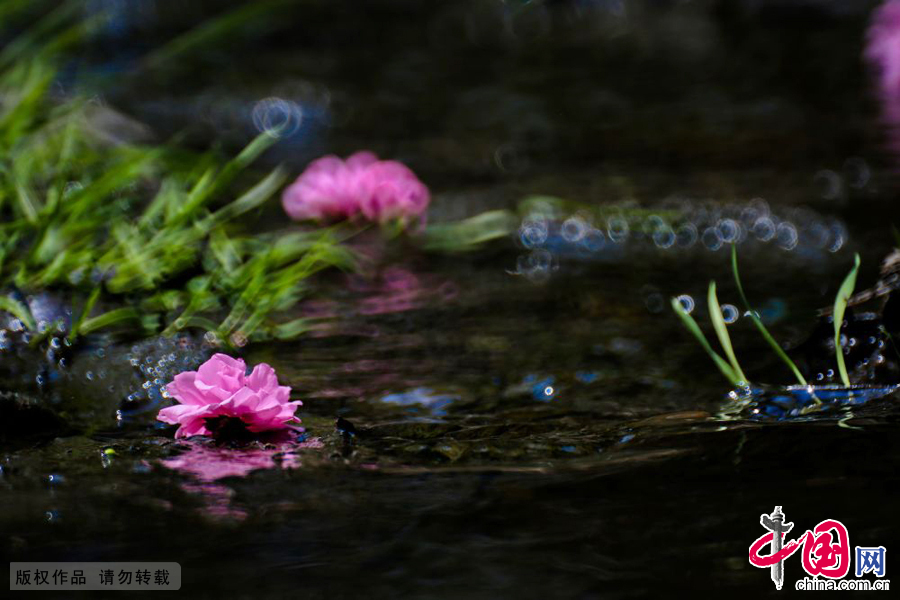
(883, 48)
(221, 388)
(332, 189)
(391, 191)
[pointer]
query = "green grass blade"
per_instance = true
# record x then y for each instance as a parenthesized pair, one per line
(840, 307)
(715, 315)
(85, 312)
(18, 310)
(759, 324)
(118, 315)
(469, 234)
(692, 326)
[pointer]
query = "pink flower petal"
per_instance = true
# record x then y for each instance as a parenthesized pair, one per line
(219, 388)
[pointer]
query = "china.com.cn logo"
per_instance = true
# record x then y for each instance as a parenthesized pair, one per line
(825, 554)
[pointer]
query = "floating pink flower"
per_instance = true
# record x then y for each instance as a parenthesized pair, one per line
(219, 389)
(333, 189)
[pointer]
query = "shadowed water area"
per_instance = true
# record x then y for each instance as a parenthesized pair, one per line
(528, 419)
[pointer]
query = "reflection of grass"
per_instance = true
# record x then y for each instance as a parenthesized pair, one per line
(141, 226)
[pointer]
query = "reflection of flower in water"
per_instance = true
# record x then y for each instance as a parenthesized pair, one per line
(398, 290)
(395, 290)
(209, 463)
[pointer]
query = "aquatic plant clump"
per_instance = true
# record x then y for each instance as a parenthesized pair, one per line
(331, 189)
(219, 398)
(732, 370)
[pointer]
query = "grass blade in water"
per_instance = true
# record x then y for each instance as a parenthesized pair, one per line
(840, 307)
(758, 322)
(715, 315)
(692, 326)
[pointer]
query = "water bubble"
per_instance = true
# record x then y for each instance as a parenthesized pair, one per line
(574, 229)
(730, 313)
(830, 184)
(686, 235)
(664, 237)
(764, 229)
(533, 231)
(729, 230)
(593, 241)
(711, 239)
(818, 235)
(787, 235)
(617, 229)
(277, 117)
(838, 236)
(687, 303)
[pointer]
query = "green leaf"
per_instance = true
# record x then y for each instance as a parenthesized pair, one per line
(692, 326)
(715, 315)
(840, 307)
(18, 310)
(118, 315)
(470, 233)
(754, 317)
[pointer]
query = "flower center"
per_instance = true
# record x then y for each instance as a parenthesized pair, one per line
(228, 429)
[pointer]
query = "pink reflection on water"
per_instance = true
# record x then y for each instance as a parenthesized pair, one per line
(207, 463)
(399, 290)
(393, 290)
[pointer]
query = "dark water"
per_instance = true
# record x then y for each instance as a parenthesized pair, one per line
(518, 431)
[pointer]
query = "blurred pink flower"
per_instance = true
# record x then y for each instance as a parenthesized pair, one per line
(883, 48)
(391, 191)
(221, 388)
(332, 189)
